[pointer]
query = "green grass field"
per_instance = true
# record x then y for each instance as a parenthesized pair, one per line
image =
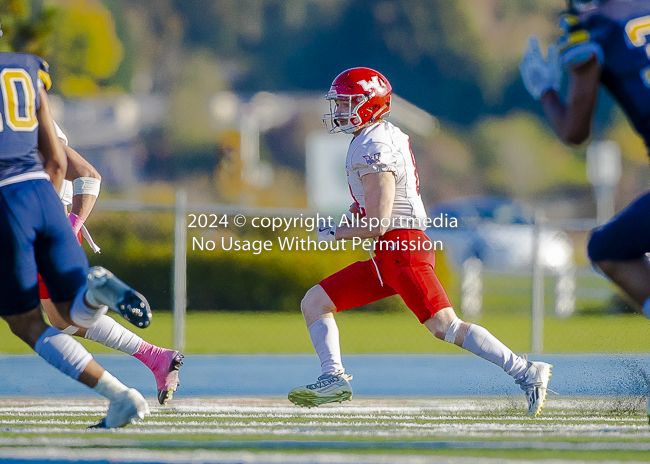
(368, 332)
(408, 430)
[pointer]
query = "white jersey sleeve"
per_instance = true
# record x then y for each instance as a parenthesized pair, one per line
(61, 135)
(373, 157)
(66, 190)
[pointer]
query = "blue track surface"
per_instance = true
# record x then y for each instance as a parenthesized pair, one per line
(374, 375)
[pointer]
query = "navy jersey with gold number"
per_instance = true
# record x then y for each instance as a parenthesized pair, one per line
(20, 76)
(35, 234)
(618, 34)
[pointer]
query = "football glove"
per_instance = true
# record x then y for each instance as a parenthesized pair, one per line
(327, 233)
(538, 73)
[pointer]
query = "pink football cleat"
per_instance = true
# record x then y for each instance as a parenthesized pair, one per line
(164, 364)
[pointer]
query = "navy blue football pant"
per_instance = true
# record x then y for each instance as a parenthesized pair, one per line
(626, 237)
(36, 236)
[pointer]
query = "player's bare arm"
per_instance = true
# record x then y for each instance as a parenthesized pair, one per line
(572, 122)
(79, 168)
(379, 194)
(54, 158)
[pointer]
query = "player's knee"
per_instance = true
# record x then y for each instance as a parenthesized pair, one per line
(17, 327)
(596, 253)
(444, 325)
(308, 304)
(441, 331)
(606, 267)
(595, 248)
(28, 326)
(58, 323)
(63, 326)
(436, 328)
(313, 304)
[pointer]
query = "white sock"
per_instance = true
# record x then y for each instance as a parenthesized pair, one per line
(109, 387)
(84, 316)
(111, 334)
(485, 345)
(63, 352)
(324, 335)
(646, 308)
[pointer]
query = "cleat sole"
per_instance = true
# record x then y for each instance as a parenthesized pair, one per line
(134, 309)
(99, 425)
(309, 399)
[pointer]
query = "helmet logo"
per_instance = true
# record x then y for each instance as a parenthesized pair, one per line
(374, 84)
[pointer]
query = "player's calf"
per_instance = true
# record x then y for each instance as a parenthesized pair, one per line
(531, 377)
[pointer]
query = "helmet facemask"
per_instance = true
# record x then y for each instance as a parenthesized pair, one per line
(347, 122)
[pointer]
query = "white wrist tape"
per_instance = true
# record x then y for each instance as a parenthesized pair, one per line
(450, 336)
(86, 186)
(70, 330)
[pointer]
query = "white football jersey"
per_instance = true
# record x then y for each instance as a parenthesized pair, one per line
(65, 193)
(383, 147)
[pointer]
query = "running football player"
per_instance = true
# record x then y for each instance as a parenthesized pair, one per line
(603, 42)
(383, 180)
(80, 191)
(35, 236)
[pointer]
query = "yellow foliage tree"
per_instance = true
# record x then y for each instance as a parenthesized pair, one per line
(86, 49)
(24, 31)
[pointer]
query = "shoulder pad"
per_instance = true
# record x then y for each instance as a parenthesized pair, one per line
(581, 53)
(581, 39)
(574, 36)
(568, 21)
(44, 73)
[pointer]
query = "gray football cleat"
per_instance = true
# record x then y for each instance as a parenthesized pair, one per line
(106, 289)
(535, 384)
(128, 408)
(328, 389)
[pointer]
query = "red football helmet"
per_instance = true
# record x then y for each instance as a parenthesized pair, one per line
(367, 93)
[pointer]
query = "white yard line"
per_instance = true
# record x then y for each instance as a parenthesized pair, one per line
(578, 424)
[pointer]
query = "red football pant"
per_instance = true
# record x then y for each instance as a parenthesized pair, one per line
(406, 261)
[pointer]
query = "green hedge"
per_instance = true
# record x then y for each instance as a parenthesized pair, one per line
(138, 249)
(271, 281)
